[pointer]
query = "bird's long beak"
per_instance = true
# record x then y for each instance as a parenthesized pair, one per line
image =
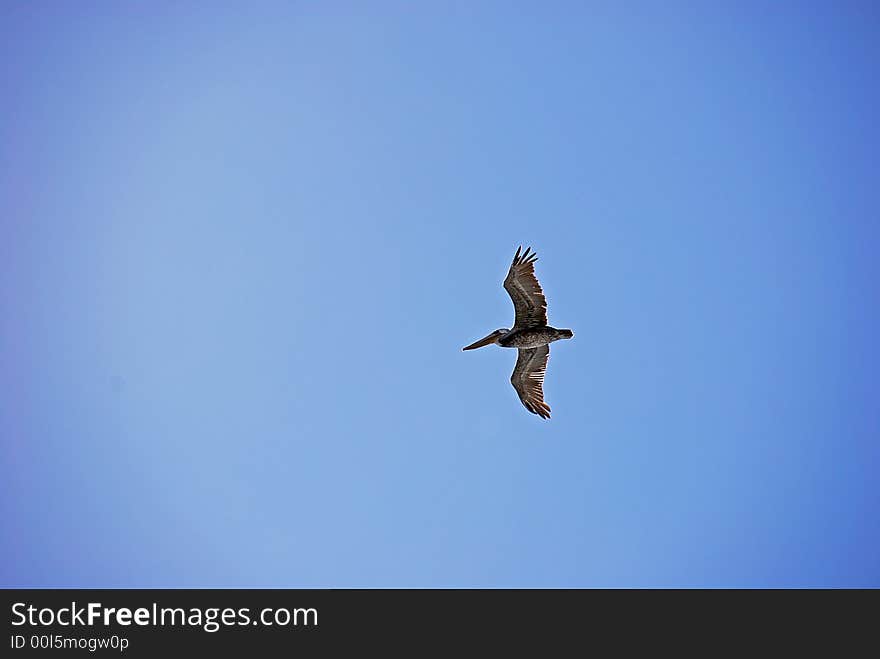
(486, 340)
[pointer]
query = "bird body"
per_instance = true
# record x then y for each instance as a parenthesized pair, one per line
(533, 337)
(531, 334)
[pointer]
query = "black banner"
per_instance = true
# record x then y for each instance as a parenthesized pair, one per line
(156, 622)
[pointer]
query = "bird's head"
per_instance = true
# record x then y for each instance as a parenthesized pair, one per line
(487, 340)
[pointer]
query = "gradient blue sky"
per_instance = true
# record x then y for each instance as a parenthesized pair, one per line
(241, 248)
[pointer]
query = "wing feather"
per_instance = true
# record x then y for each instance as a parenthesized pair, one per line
(528, 379)
(528, 298)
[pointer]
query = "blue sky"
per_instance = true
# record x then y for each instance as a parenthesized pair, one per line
(242, 248)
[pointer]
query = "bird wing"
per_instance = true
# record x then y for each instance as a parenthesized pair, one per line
(525, 291)
(528, 379)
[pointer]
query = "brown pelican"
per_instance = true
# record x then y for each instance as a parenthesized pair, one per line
(530, 334)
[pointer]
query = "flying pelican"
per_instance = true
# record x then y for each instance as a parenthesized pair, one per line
(530, 334)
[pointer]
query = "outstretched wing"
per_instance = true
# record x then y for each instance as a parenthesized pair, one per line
(528, 379)
(525, 291)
